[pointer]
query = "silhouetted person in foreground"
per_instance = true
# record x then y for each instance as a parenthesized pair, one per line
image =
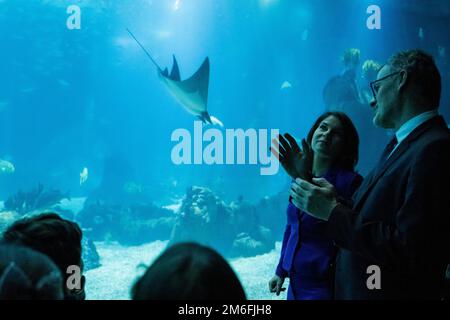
(57, 238)
(28, 275)
(189, 271)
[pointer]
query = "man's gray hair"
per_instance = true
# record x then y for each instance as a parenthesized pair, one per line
(423, 74)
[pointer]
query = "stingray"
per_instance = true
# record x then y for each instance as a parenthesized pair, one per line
(191, 93)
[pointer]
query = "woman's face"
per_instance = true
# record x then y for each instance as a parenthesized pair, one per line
(328, 139)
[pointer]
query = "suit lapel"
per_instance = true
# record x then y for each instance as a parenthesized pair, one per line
(373, 177)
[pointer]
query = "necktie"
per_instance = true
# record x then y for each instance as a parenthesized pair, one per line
(387, 151)
(384, 156)
(375, 171)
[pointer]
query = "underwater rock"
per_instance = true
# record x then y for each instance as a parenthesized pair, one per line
(90, 256)
(63, 212)
(7, 218)
(136, 232)
(205, 219)
(233, 230)
(244, 245)
(247, 219)
(129, 225)
(201, 217)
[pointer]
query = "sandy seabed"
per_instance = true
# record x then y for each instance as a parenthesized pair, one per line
(122, 265)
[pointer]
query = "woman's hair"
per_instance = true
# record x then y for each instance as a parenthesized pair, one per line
(189, 271)
(48, 233)
(349, 156)
(28, 275)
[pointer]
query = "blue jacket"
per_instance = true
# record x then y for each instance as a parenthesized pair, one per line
(308, 254)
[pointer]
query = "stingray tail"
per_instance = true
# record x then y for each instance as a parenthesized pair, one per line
(206, 118)
(145, 50)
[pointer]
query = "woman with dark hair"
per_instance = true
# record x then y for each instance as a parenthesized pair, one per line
(57, 238)
(28, 275)
(189, 271)
(307, 255)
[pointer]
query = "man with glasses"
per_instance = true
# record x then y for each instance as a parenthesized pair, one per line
(394, 240)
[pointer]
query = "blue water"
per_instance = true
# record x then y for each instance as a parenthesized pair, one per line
(91, 98)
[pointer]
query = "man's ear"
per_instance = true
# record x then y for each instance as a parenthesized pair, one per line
(403, 80)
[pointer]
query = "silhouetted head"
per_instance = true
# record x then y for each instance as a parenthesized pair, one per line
(370, 70)
(28, 275)
(55, 237)
(333, 135)
(408, 85)
(189, 271)
(350, 58)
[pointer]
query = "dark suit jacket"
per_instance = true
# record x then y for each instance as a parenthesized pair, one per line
(400, 221)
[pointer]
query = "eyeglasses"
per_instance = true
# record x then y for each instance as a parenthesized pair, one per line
(375, 88)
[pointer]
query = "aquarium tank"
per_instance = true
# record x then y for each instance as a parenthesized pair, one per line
(153, 122)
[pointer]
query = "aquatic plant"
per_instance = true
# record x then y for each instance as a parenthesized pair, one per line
(38, 198)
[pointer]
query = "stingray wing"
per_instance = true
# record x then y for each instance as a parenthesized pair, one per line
(175, 73)
(192, 93)
(199, 81)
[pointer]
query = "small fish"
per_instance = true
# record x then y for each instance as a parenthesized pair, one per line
(84, 176)
(421, 33)
(6, 167)
(286, 85)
